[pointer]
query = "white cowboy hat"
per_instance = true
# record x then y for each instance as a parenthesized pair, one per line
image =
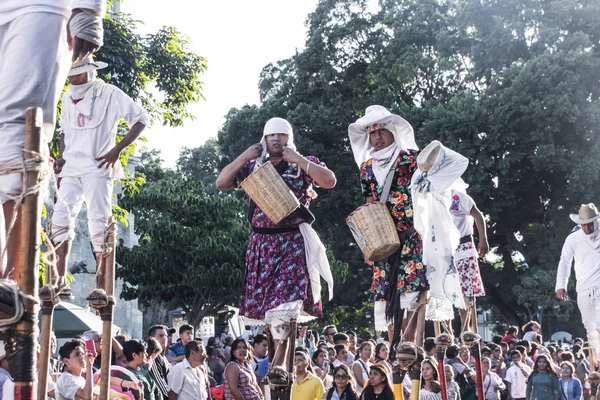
(359, 139)
(85, 65)
(587, 213)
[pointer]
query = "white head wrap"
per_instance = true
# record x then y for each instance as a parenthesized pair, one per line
(274, 126)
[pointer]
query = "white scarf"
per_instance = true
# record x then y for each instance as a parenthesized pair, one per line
(593, 239)
(383, 161)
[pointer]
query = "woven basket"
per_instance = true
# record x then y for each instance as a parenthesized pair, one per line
(374, 231)
(270, 193)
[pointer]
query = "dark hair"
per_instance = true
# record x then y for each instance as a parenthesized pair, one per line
(316, 355)
(133, 346)
(212, 342)
(436, 374)
(529, 326)
(184, 328)
(339, 347)
(362, 346)
(517, 352)
(387, 386)
(152, 330)
(378, 349)
(339, 337)
(549, 369)
(567, 356)
(67, 348)
(153, 347)
(497, 339)
(429, 344)
(522, 349)
(234, 346)
(122, 338)
(538, 338)
(452, 351)
(351, 333)
(258, 339)
(534, 347)
(192, 346)
(512, 330)
(345, 368)
(327, 328)
(525, 343)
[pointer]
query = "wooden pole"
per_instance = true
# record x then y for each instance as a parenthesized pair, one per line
(107, 313)
(21, 346)
(45, 343)
(421, 313)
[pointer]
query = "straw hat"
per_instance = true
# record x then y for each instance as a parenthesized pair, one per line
(85, 65)
(429, 155)
(587, 213)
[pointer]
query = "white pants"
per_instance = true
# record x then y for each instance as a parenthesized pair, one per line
(33, 65)
(97, 194)
(589, 306)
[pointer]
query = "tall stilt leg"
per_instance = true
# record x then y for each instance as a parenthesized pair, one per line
(107, 313)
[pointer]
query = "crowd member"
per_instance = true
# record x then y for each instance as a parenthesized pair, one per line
(530, 329)
(382, 355)
(343, 339)
(95, 336)
(360, 368)
(225, 334)
(343, 388)
(34, 45)
(516, 377)
(351, 342)
(492, 383)
(583, 245)
(176, 351)
(321, 369)
(430, 381)
(259, 350)
(188, 380)
(462, 371)
(497, 360)
(282, 258)
(464, 213)
(153, 351)
(88, 163)
(306, 386)
(341, 355)
(429, 347)
(379, 386)
(135, 352)
(227, 346)
(71, 384)
(160, 366)
(542, 383)
(4, 374)
(216, 363)
(240, 380)
(329, 331)
(452, 387)
(570, 386)
(213, 341)
(384, 149)
(511, 334)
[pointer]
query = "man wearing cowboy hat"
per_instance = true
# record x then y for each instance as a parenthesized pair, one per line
(584, 246)
(384, 149)
(88, 164)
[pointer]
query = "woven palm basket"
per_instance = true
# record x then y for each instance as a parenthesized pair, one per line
(270, 193)
(374, 231)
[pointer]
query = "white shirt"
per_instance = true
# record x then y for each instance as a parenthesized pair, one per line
(460, 209)
(490, 387)
(587, 263)
(10, 9)
(89, 138)
(67, 386)
(189, 383)
(518, 382)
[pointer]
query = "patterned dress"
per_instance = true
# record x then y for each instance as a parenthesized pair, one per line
(411, 276)
(276, 271)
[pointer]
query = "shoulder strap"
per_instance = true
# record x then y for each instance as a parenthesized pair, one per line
(363, 366)
(388, 183)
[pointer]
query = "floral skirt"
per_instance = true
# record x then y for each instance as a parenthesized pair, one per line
(276, 273)
(465, 260)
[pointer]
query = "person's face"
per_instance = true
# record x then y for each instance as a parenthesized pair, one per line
(449, 373)
(380, 139)
(300, 363)
(366, 352)
(485, 364)
(321, 358)
(542, 364)
(588, 228)
(76, 360)
(198, 357)
(516, 358)
(486, 354)
(376, 378)
(329, 334)
(465, 355)
(497, 352)
(276, 143)
(331, 353)
(240, 352)
(79, 79)
(352, 340)
(342, 355)
(162, 337)
(565, 371)
(186, 337)
(384, 352)
(260, 349)
(427, 372)
(341, 379)
(98, 344)
(140, 358)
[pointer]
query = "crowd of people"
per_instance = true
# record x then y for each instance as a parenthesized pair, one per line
(332, 365)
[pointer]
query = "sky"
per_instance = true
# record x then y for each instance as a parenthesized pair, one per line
(238, 38)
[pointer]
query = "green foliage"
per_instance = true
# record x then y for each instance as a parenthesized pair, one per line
(510, 84)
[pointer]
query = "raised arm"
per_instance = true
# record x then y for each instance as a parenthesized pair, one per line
(227, 177)
(323, 177)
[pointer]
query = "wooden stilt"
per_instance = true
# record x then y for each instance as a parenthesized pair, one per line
(292, 348)
(22, 342)
(442, 342)
(471, 340)
(45, 343)
(473, 317)
(421, 312)
(107, 313)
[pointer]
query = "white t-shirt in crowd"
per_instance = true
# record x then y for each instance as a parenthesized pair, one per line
(460, 209)
(67, 386)
(188, 382)
(518, 381)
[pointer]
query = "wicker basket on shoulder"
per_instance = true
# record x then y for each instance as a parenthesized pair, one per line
(374, 231)
(270, 193)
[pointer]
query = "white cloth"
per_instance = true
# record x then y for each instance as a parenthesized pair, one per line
(431, 203)
(588, 302)
(460, 209)
(383, 161)
(381, 322)
(427, 395)
(91, 134)
(316, 262)
(34, 54)
(529, 336)
(490, 382)
(587, 263)
(593, 239)
(189, 383)
(10, 9)
(364, 369)
(67, 386)
(97, 194)
(518, 382)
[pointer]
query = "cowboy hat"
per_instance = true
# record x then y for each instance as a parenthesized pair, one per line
(587, 213)
(359, 139)
(85, 65)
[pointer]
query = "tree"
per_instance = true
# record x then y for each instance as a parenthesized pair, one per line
(511, 85)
